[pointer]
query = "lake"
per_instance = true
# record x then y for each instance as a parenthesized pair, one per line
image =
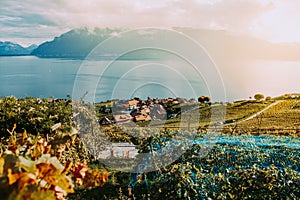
(32, 76)
(27, 75)
(124, 79)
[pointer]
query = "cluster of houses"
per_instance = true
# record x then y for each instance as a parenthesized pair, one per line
(137, 110)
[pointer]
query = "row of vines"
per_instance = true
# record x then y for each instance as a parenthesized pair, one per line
(44, 155)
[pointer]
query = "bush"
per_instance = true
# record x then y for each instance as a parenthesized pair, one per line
(34, 115)
(259, 97)
(268, 98)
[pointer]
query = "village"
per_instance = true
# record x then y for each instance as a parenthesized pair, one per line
(138, 110)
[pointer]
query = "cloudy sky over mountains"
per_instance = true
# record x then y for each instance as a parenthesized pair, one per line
(34, 21)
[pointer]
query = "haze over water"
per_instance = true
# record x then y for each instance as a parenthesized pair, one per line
(20, 76)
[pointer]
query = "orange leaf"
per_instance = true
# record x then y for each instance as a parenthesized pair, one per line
(68, 166)
(95, 178)
(25, 179)
(24, 136)
(53, 176)
(79, 171)
(46, 169)
(12, 178)
(1, 165)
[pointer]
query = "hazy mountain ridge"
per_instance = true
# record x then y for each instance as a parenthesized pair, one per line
(11, 49)
(221, 45)
(76, 43)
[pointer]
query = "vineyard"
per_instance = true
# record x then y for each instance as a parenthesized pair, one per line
(243, 167)
(281, 119)
(43, 154)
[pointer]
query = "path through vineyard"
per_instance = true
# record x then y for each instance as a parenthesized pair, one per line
(263, 110)
(256, 114)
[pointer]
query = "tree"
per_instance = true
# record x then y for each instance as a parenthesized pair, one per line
(207, 99)
(268, 98)
(203, 99)
(259, 97)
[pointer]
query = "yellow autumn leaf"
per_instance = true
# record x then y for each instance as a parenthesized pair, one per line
(24, 136)
(46, 169)
(231, 196)
(45, 195)
(12, 178)
(61, 181)
(2, 161)
(26, 179)
(53, 176)
(55, 162)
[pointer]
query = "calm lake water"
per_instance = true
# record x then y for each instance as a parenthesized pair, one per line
(123, 79)
(20, 76)
(28, 75)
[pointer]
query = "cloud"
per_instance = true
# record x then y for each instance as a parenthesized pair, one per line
(28, 21)
(281, 24)
(45, 19)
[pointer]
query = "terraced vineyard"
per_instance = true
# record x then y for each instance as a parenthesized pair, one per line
(225, 166)
(282, 118)
(243, 109)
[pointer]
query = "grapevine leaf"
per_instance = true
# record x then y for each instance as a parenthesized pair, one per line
(46, 169)
(44, 158)
(27, 165)
(52, 175)
(55, 162)
(26, 179)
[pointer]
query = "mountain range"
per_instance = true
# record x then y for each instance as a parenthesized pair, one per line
(12, 49)
(76, 43)
(221, 45)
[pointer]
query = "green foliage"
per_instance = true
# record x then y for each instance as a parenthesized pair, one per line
(227, 171)
(230, 172)
(268, 98)
(259, 97)
(203, 99)
(34, 115)
(256, 183)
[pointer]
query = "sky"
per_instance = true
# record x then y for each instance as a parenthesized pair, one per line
(34, 21)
